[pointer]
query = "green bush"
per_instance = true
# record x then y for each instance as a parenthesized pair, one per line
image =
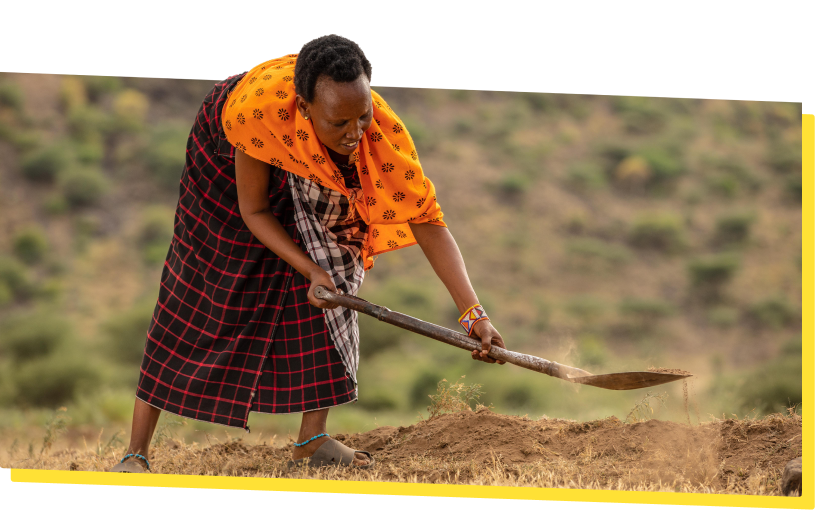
(658, 232)
(537, 101)
(586, 308)
(126, 333)
(377, 400)
(773, 312)
(83, 186)
(44, 165)
(53, 381)
(513, 185)
(587, 251)
(733, 227)
(518, 396)
(723, 316)
(156, 225)
(422, 137)
(665, 163)
(777, 384)
(86, 124)
(165, 156)
(586, 176)
(423, 385)
(785, 158)
(31, 335)
(646, 310)
(723, 185)
(98, 86)
(709, 274)
(640, 115)
(30, 244)
(15, 277)
(591, 352)
(794, 188)
(129, 111)
(11, 95)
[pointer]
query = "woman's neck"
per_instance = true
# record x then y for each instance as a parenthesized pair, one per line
(337, 158)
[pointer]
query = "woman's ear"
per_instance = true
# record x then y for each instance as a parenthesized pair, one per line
(302, 106)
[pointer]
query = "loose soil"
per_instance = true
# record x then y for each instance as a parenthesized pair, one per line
(722, 456)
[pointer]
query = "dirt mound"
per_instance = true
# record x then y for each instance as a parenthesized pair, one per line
(721, 456)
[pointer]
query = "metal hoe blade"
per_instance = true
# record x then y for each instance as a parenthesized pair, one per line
(627, 380)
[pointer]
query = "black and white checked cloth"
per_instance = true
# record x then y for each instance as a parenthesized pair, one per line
(334, 237)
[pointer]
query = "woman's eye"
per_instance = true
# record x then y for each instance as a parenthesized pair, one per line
(341, 124)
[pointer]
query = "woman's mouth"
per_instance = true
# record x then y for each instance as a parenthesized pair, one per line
(351, 145)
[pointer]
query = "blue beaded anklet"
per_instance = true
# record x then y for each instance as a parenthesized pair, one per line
(310, 440)
(138, 456)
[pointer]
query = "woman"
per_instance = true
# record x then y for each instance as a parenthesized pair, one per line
(297, 174)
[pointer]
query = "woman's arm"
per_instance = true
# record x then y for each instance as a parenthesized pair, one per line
(444, 256)
(252, 182)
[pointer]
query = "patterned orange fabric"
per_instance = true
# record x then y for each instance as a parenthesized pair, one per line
(260, 118)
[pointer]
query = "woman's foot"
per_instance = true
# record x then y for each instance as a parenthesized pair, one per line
(131, 465)
(307, 450)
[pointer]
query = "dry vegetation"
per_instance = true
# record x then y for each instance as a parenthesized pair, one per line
(736, 456)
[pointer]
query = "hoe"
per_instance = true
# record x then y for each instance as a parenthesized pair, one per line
(618, 381)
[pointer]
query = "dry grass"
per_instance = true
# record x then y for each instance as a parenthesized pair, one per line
(733, 456)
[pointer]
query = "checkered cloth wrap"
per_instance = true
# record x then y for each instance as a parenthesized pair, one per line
(334, 236)
(232, 330)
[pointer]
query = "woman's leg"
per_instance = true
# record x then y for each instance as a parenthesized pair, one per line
(314, 423)
(145, 418)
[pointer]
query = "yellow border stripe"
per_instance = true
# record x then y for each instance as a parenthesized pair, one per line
(808, 304)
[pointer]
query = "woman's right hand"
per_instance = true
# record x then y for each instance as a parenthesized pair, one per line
(320, 277)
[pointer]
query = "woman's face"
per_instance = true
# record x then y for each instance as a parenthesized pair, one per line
(340, 112)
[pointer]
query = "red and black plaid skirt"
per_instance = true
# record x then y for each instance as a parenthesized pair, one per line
(233, 331)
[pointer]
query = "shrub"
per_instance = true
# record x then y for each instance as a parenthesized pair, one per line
(518, 396)
(130, 110)
(537, 101)
(646, 310)
(723, 185)
(98, 86)
(11, 95)
(591, 351)
(155, 232)
(777, 384)
(733, 227)
(723, 316)
(126, 333)
(709, 274)
(165, 156)
(83, 186)
(422, 387)
(86, 124)
(15, 277)
(590, 251)
(659, 232)
(377, 400)
(44, 165)
(773, 312)
(32, 335)
(586, 176)
(586, 308)
(784, 158)
(423, 139)
(72, 93)
(30, 244)
(53, 381)
(793, 188)
(666, 164)
(462, 126)
(513, 185)
(641, 115)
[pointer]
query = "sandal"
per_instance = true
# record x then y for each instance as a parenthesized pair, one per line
(130, 467)
(333, 453)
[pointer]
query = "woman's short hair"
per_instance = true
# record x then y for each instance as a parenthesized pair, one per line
(336, 57)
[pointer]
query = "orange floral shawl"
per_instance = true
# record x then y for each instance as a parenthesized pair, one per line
(260, 118)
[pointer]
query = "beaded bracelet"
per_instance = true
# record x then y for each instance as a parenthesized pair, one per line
(138, 456)
(473, 314)
(310, 440)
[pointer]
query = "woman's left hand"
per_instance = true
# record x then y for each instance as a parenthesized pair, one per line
(489, 336)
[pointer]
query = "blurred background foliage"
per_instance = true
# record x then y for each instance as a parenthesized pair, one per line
(610, 233)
